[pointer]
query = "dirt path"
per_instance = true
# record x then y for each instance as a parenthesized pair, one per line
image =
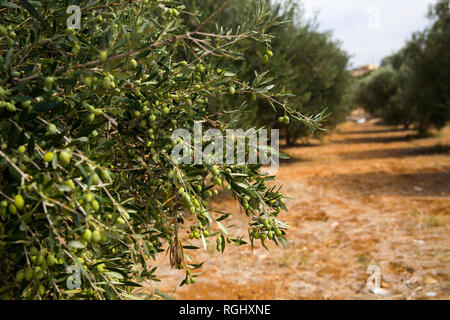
(370, 195)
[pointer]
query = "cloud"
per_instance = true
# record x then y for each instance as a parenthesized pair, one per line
(369, 29)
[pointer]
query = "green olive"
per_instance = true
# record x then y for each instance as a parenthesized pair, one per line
(95, 205)
(103, 56)
(12, 209)
(29, 272)
(97, 235)
(19, 201)
(20, 275)
(65, 156)
(87, 235)
(48, 157)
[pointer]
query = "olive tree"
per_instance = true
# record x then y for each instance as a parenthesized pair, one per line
(87, 180)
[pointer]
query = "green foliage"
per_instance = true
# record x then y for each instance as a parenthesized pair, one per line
(375, 94)
(85, 129)
(307, 66)
(412, 85)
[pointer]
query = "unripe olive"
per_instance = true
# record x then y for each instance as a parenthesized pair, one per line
(10, 107)
(52, 129)
(133, 64)
(48, 157)
(87, 235)
(95, 205)
(103, 56)
(20, 275)
(87, 81)
(3, 30)
(95, 178)
(75, 49)
(29, 274)
(41, 290)
(38, 273)
(269, 53)
(26, 104)
(39, 260)
(96, 235)
(19, 201)
(51, 260)
(201, 68)
(48, 82)
(106, 83)
(120, 221)
(12, 209)
(65, 156)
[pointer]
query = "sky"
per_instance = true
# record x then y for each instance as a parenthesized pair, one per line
(369, 29)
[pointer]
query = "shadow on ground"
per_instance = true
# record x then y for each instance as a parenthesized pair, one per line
(420, 184)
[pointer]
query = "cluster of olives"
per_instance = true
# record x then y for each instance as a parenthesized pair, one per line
(269, 54)
(41, 262)
(189, 278)
(265, 229)
(9, 33)
(284, 120)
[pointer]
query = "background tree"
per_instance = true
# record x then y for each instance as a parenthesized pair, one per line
(412, 85)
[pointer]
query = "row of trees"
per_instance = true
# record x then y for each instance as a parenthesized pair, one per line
(308, 67)
(412, 86)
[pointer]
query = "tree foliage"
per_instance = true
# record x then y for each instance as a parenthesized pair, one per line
(85, 129)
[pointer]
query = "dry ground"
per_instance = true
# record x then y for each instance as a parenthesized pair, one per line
(369, 195)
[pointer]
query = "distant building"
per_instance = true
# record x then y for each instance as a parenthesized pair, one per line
(363, 70)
